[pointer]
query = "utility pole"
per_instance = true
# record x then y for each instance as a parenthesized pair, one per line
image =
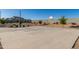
(20, 18)
(0, 13)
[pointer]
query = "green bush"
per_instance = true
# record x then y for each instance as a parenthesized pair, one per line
(63, 20)
(2, 21)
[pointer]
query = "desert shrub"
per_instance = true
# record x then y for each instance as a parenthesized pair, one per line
(23, 25)
(73, 23)
(14, 25)
(11, 26)
(45, 23)
(28, 25)
(40, 22)
(56, 22)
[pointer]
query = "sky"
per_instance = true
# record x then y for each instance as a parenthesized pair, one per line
(36, 14)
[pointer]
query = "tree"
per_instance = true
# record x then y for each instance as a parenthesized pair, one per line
(2, 21)
(63, 20)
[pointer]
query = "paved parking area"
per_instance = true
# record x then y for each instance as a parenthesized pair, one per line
(38, 37)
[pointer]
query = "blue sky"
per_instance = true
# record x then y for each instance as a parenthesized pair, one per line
(40, 13)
